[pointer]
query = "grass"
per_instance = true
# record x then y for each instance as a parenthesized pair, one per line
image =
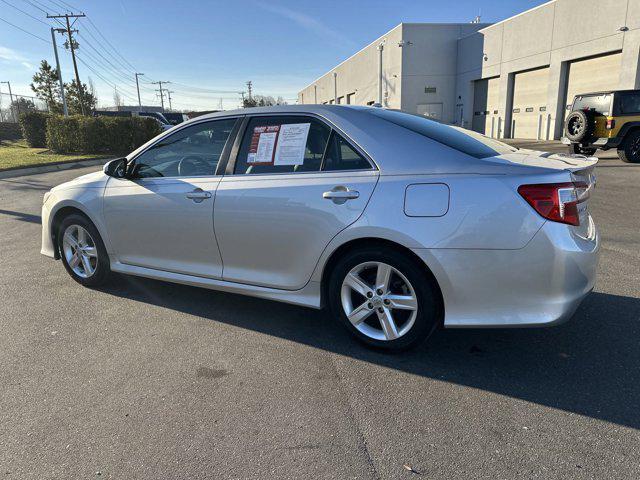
(16, 154)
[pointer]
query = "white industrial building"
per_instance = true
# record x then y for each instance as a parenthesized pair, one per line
(511, 79)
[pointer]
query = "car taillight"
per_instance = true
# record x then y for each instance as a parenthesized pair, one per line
(611, 124)
(557, 202)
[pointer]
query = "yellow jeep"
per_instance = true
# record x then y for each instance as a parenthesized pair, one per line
(605, 120)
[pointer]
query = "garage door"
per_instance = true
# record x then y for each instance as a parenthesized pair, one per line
(486, 99)
(529, 118)
(593, 75)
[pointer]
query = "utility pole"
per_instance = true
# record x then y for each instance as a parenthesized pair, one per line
(249, 86)
(67, 16)
(55, 50)
(11, 108)
(161, 90)
(380, 49)
(138, 87)
(169, 92)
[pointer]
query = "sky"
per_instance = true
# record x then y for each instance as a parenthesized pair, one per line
(209, 49)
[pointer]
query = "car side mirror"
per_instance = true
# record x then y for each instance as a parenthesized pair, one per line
(116, 168)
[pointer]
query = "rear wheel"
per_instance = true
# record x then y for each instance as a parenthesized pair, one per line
(630, 149)
(82, 252)
(579, 149)
(384, 299)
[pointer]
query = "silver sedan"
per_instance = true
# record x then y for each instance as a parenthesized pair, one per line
(396, 223)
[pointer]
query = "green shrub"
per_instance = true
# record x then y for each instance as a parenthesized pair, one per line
(112, 135)
(10, 131)
(34, 127)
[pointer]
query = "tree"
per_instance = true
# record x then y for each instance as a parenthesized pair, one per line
(117, 98)
(89, 100)
(22, 105)
(262, 101)
(46, 87)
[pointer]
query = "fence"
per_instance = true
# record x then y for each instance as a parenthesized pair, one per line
(12, 106)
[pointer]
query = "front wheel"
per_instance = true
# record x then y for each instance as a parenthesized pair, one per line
(82, 252)
(630, 149)
(385, 299)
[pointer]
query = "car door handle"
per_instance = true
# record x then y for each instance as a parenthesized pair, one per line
(198, 195)
(341, 194)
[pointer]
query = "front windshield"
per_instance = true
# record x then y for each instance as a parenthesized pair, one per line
(460, 139)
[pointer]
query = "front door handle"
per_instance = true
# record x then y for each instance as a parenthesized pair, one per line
(340, 194)
(198, 195)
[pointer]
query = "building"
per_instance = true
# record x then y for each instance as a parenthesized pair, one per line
(511, 79)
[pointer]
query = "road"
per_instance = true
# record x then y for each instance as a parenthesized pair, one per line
(144, 379)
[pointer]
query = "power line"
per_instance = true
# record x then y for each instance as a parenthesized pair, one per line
(102, 78)
(25, 31)
(109, 43)
(36, 6)
(26, 13)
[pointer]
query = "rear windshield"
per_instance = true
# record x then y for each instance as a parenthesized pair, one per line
(460, 139)
(593, 103)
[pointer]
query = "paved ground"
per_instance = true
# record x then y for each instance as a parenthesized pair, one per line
(150, 380)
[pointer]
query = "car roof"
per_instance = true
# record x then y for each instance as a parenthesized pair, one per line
(606, 92)
(280, 109)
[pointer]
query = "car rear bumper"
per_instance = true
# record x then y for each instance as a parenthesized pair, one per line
(541, 284)
(604, 142)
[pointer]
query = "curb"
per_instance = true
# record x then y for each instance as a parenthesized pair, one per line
(52, 167)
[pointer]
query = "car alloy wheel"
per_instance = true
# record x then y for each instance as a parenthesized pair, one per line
(80, 251)
(379, 301)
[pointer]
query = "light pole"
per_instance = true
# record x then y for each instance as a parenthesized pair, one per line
(138, 87)
(55, 50)
(315, 94)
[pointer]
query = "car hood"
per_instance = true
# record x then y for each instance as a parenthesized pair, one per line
(90, 180)
(552, 161)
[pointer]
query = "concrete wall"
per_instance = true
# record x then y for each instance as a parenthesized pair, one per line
(429, 65)
(551, 35)
(359, 75)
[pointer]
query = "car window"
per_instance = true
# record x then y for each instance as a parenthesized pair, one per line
(630, 103)
(460, 139)
(593, 103)
(192, 151)
(282, 144)
(342, 156)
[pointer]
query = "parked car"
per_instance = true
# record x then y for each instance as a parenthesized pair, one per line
(396, 223)
(605, 120)
(158, 117)
(174, 118)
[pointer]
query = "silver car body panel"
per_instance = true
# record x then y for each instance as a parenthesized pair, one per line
(497, 262)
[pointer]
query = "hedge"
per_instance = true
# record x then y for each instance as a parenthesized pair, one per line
(10, 131)
(33, 125)
(112, 135)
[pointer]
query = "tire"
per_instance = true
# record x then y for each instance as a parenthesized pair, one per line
(407, 280)
(630, 149)
(97, 272)
(578, 126)
(580, 150)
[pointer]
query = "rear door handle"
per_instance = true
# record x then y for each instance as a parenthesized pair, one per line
(198, 195)
(340, 194)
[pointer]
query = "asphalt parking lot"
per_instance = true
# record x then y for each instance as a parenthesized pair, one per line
(144, 379)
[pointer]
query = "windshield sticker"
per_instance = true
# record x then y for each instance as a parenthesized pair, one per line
(291, 144)
(263, 142)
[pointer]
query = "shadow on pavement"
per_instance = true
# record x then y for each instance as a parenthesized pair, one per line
(25, 217)
(589, 366)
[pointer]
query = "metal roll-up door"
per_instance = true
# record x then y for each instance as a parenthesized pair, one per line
(593, 75)
(529, 115)
(486, 113)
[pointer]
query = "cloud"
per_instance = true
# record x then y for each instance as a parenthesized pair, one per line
(309, 23)
(11, 56)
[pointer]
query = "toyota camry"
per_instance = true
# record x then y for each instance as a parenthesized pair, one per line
(395, 223)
